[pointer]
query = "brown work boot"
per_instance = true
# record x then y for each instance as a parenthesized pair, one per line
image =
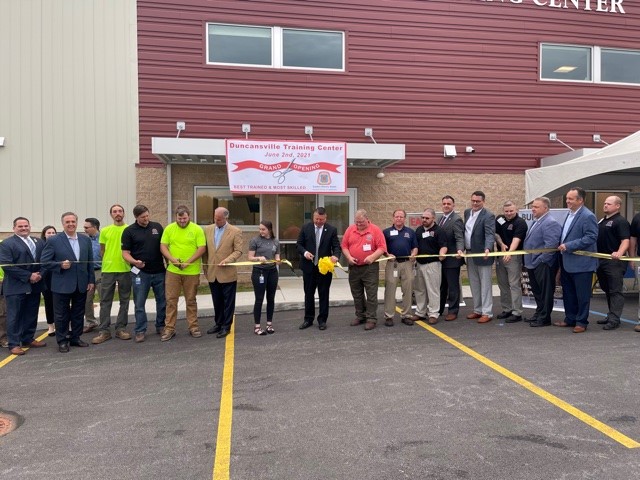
(140, 337)
(123, 335)
(370, 325)
(101, 338)
(356, 321)
(167, 335)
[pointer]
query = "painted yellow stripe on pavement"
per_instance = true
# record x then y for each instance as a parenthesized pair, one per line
(222, 458)
(579, 414)
(12, 357)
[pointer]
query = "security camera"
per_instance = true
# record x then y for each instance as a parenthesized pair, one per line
(470, 150)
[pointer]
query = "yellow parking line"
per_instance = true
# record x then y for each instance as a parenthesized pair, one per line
(223, 443)
(12, 357)
(579, 414)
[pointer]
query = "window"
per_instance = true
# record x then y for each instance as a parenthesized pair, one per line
(563, 62)
(589, 64)
(239, 45)
(620, 66)
(243, 209)
(275, 47)
(312, 49)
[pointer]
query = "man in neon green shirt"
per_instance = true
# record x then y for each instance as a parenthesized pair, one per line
(114, 271)
(182, 244)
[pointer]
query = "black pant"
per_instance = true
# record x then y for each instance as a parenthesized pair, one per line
(268, 285)
(22, 318)
(48, 306)
(543, 284)
(611, 278)
(68, 308)
(450, 289)
(224, 302)
(312, 281)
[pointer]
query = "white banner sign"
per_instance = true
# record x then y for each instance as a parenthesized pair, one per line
(263, 166)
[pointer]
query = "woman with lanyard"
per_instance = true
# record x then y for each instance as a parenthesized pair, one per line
(264, 248)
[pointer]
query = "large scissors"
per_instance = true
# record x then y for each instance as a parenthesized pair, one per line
(280, 174)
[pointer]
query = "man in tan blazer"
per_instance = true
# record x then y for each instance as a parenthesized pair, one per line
(224, 245)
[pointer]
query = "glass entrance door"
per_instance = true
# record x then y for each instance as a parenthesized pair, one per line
(296, 210)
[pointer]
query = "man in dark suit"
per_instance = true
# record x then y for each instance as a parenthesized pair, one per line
(311, 251)
(479, 237)
(69, 257)
(22, 285)
(542, 267)
(453, 228)
(579, 232)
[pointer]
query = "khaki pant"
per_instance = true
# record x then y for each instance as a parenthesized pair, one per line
(173, 284)
(405, 275)
(89, 312)
(427, 289)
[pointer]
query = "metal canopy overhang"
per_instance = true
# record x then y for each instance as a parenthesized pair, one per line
(610, 167)
(189, 151)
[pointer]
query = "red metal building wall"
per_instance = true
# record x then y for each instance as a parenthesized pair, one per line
(423, 73)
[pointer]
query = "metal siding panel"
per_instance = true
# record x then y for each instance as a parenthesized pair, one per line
(420, 73)
(72, 123)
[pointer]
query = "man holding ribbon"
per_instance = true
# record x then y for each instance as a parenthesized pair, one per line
(317, 239)
(542, 266)
(22, 285)
(579, 232)
(362, 245)
(402, 247)
(224, 245)
(613, 239)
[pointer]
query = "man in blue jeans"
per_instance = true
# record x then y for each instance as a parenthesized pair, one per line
(141, 248)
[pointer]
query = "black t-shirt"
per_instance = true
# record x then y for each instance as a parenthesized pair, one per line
(611, 232)
(144, 244)
(430, 241)
(510, 229)
(635, 226)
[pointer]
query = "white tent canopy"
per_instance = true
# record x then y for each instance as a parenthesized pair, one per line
(620, 159)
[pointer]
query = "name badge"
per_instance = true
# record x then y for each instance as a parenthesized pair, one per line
(425, 234)
(393, 233)
(501, 221)
(366, 247)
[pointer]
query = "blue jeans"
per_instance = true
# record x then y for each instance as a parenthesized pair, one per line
(140, 293)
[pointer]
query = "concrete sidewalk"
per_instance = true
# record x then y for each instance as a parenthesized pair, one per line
(290, 296)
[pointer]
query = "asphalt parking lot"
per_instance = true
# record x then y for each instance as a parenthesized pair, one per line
(393, 403)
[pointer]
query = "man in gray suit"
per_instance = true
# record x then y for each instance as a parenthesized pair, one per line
(453, 228)
(479, 237)
(542, 267)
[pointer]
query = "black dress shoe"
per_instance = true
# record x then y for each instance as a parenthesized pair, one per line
(532, 319)
(214, 329)
(603, 321)
(78, 343)
(63, 348)
(305, 324)
(222, 333)
(539, 324)
(503, 315)
(513, 319)
(611, 326)
(322, 326)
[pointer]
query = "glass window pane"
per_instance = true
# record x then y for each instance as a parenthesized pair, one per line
(239, 44)
(312, 49)
(293, 212)
(621, 66)
(560, 62)
(243, 209)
